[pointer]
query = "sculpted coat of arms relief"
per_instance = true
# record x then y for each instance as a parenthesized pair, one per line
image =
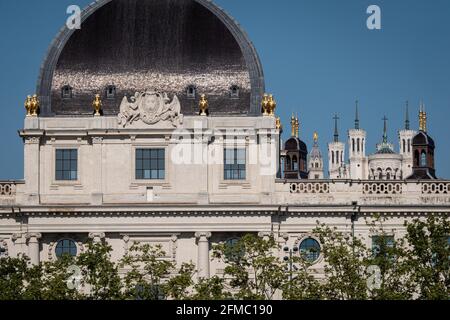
(150, 107)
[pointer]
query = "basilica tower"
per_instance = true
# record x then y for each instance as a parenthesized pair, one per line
(423, 150)
(405, 145)
(336, 155)
(357, 150)
(315, 164)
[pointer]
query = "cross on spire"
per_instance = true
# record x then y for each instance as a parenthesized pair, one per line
(336, 133)
(385, 129)
(356, 116)
(407, 116)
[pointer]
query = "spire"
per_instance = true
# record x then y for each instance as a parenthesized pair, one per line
(293, 125)
(422, 117)
(407, 116)
(336, 133)
(356, 116)
(385, 130)
(297, 126)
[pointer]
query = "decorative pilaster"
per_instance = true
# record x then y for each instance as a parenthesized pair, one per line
(203, 254)
(33, 247)
(96, 236)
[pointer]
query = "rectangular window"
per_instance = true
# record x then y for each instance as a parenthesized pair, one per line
(66, 164)
(234, 164)
(380, 244)
(150, 164)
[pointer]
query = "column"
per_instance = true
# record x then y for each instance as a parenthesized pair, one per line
(33, 247)
(96, 237)
(203, 254)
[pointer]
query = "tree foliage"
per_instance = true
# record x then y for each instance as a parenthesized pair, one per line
(416, 266)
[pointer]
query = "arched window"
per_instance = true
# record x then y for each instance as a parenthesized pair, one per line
(310, 249)
(337, 156)
(332, 157)
(423, 159)
(110, 92)
(66, 247)
(380, 174)
(409, 145)
(294, 163)
(67, 92)
(388, 174)
(191, 92)
(234, 92)
(353, 144)
(404, 145)
(416, 158)
(357, 144)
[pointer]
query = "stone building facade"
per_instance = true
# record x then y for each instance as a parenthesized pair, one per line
(143, 161)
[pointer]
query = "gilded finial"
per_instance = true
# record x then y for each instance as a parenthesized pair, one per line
(297, 126)
(203, 105)
(271, 105)
(28, 106)
(278, 124)
(97, 105)
(265, 105)
(422, 118)
(293, 125)
(315, 137)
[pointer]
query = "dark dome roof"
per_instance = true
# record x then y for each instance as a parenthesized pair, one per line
(294, 143)
(423, 139)
(166, 45)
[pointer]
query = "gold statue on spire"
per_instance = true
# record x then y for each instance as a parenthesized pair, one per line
(203, 105)
(97, 105)
(315, 137)
(28, 106)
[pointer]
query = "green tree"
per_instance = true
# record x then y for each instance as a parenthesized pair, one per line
(253, 269)
(210, 289)
(13, 275)
(428, 256)
(389, 256)
(100, 274)
(177, 287)
(345, 265)
(147, 270)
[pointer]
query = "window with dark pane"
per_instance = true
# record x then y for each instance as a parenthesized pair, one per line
(66, 92)
(234, 164)
(66, 247)
(110, 92)
(310, 249)
(66, 164)
(150, 164)
(380, 244)
(234, 92)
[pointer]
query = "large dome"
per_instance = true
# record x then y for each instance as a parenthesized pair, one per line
(125, 46)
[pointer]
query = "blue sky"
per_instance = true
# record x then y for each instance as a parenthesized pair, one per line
(318, 57)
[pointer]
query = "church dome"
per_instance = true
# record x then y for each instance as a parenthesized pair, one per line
(179, 47)
(423, 139)
(295, 144)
